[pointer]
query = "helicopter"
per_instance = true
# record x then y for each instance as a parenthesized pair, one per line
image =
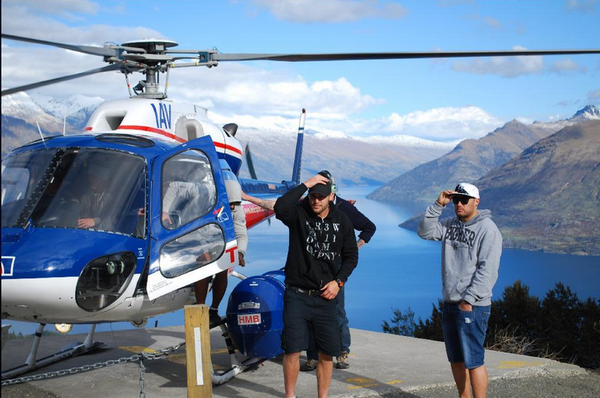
(129, 264)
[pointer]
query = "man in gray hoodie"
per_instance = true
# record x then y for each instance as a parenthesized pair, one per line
(471, 249)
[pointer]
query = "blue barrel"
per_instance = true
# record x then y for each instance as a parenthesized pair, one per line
(255, 316)
(278, 274)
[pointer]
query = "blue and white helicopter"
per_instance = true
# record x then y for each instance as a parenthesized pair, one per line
(125, 262)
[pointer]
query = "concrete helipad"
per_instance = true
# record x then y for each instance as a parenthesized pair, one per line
(380, 364)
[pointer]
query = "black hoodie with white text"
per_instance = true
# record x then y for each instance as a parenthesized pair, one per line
(316, 244)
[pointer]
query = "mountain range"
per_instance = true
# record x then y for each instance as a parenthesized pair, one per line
(21, 115)
(472, 159)
(370, 160)
(548, 197)
(352, 161)
(541, 180)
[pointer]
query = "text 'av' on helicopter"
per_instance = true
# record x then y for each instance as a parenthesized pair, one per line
(83, 236)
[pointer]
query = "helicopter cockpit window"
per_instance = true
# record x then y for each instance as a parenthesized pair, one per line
(188, 189)
(22, 173)
(84, 188)
(192, 251)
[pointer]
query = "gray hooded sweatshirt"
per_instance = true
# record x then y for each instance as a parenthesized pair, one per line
(470, 254)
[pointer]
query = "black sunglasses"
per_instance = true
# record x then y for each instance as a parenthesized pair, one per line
(462, 199)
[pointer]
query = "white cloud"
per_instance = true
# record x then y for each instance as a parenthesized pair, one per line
(43, 26)
(309, 11)
(594, 95)
(503, 66)
(235, 88)
(582, 5)
(251, 96)
(57, 7)
(526, 120)
(566, 66)
(439, 124)
(493, 22)
(445, 124)
(25, 63)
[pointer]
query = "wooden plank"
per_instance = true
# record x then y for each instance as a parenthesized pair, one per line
(197, 339)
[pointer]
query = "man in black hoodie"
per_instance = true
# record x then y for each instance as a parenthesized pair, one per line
(361, 223)
(319, 235)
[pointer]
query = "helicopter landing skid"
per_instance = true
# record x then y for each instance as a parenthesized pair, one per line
(66, 352)
(237, 366)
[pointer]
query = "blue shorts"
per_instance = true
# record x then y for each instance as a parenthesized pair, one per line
(301, 313)
(464, 334)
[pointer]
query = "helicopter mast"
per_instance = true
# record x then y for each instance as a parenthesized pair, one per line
(153, 57)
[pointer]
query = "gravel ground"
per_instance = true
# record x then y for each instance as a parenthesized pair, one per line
(580, 386)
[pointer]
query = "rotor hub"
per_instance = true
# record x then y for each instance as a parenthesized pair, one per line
(152, 46)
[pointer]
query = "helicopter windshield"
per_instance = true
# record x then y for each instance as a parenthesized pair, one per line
(86, 188)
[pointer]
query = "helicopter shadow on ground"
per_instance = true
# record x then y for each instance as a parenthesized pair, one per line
(117, 344)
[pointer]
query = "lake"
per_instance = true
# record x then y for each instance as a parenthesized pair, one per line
(397, 269)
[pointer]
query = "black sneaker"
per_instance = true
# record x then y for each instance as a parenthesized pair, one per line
(309, 365)
(342, 361)
(214, 318)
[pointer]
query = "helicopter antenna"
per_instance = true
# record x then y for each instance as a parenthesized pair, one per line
(41, 135)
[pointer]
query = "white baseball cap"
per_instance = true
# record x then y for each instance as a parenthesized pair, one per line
(466, 189)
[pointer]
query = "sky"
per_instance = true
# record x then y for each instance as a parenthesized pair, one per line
(441, 100)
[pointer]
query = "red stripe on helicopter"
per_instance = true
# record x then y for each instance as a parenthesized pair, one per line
(174, 137)
(255, 214)
(229, 148)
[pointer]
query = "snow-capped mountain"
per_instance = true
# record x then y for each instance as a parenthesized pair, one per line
(366, 160)
(408, 140)
(21, 115)
(472, 159)
(590, 112)
(68, 107)
(353, 160)
(21, 106)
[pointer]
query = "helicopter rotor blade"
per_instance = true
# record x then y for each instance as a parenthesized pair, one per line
(392, 55)
(26, 87)
(143, 55)
(101, 51)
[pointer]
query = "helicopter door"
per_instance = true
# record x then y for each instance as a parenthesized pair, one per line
(191, 227)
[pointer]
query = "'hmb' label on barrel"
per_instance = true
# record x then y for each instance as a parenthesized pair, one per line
(249, 319)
